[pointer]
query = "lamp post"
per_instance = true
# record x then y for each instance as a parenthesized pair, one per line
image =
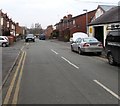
(86, 20)
(0, 23)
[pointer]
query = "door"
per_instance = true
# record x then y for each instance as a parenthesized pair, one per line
(99, 35)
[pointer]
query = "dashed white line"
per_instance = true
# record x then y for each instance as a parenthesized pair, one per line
(111, 92)
(54, 51)
(70, 62)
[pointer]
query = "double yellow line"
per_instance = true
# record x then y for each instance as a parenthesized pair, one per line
(18, 72)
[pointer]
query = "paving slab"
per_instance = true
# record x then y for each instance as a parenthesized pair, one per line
(9, 55)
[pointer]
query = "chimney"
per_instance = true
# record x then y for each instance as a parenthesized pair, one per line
(69, 16)
(17, 24)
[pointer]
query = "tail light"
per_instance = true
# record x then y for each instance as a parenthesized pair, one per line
(86, 45)
(100, 44)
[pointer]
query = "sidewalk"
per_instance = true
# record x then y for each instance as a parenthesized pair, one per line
(9, 54)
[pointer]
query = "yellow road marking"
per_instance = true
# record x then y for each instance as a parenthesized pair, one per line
(7, 97)
(15, 98)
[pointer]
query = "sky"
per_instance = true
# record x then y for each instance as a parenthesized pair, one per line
(47, 12)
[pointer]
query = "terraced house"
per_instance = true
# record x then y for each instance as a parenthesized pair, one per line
(9, 27)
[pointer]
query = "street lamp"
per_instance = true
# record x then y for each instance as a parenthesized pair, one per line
(86, 20)
(0, 23)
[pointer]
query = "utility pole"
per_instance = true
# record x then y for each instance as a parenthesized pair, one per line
(86, 20)
(0, 23)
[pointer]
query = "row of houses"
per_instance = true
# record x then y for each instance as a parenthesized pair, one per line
(9, 27)
(94, 23)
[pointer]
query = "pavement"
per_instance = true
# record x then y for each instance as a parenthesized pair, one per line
(9, 56)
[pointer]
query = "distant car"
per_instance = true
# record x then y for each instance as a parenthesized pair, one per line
(30, 37)
(42, 37)
(4, 41)
(87, 44)
(113, 47)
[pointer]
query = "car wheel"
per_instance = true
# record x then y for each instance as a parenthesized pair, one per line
(110, 59)
(79, 51)
(4, 45)
(72, 48)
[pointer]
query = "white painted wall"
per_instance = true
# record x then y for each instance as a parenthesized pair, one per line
(98, 13)
(105, 31)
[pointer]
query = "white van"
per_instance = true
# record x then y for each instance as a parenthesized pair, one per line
(78, 35)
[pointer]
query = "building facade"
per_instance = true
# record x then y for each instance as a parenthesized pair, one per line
(69, 25)
(100, 27)
(49, 31)
(8, 26)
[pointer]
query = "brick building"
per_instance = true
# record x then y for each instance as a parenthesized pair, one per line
(49, 31)
(8, 26)
(69, 25)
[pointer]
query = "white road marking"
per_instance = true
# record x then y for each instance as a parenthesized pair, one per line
(70, 62)
(111, 92)
(54, 51)
(22, 48)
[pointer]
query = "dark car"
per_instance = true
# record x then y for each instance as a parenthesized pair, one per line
(113, 47)
(42, 37)
(30, 37)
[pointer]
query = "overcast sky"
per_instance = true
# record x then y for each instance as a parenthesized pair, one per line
(47, 12)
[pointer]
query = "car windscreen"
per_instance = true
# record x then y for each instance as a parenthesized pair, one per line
(90, 40)
(114, 33)
(30, 35)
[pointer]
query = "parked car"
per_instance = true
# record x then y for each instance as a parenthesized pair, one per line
(87, 44)
(113, 47)
(4, 41)
(30, 37)
(71, 39)
(42, 37)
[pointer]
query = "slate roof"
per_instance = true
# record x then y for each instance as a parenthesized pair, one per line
(111, 16)
(106, 7)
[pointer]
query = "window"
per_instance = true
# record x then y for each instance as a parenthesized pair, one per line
(114, 33)
(90, 40)
(1, 39)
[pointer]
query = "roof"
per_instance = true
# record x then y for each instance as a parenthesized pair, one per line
(106, 7)
(111, 16)
(84, 14)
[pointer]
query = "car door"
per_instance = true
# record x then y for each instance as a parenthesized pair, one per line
(78, 44)
(1, 41)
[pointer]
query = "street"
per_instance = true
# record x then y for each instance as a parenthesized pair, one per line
(48, 72)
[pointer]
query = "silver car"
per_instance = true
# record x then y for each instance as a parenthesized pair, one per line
(30, 37)
(87, 44)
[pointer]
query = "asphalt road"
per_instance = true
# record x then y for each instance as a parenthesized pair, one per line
(52, 74)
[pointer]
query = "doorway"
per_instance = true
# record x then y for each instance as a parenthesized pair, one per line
(99, 35)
